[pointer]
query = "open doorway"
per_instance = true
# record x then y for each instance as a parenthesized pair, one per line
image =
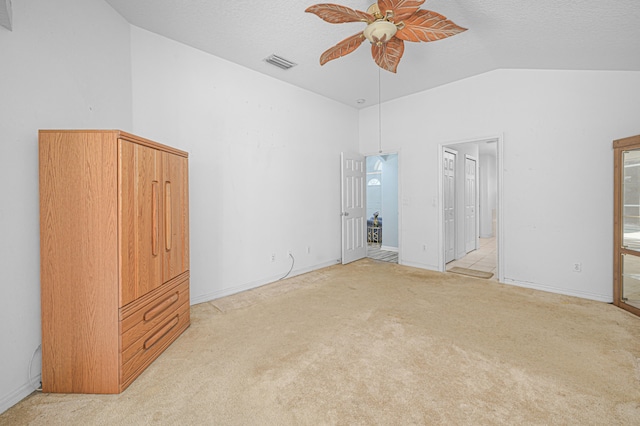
(382, 207)
(470, 206)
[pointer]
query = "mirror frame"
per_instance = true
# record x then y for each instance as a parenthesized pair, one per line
(620, 146)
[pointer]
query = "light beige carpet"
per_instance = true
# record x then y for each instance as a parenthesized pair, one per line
(375, 343)
(470, 272)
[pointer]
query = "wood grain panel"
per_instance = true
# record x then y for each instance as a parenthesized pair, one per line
(127, 230)
(176, 247)
(141, 265)
(119, 134)
(79, 267)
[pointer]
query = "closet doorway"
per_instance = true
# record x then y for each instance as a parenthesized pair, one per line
(382, 207)
(470, 206)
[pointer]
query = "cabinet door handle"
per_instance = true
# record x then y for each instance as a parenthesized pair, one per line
(155, 229)
(161, 333)
(167, 216)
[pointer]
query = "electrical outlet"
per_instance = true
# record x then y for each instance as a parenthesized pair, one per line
(577, 267)
(424, 247)
(273, 257)
(308, 249)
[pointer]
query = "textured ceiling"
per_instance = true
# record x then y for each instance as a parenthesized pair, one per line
(539, 34)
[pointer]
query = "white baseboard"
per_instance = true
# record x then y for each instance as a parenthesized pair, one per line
(557, 290)
(534, 286)
(255, 284)
(18, 395)
(426, 266)
(389, 248)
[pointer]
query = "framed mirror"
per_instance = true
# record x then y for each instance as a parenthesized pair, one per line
(626, 263)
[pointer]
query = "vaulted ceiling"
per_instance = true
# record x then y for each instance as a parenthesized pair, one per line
(538, 34)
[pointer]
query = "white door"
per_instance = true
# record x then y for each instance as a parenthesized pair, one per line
(449, 189)
(354, 225)
(470, 204)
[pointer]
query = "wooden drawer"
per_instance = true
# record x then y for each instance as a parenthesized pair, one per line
(150, 324)
(142, 352)
(137, 321)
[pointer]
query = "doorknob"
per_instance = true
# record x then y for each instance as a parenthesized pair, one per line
(345, 214)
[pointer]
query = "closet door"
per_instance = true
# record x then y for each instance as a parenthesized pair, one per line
(175, 244)
(626, 289)
(141, 220)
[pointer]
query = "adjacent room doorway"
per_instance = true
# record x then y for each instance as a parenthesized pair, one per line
(470, 205)
(382, 207)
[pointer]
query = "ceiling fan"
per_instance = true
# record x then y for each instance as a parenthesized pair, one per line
(389, 24)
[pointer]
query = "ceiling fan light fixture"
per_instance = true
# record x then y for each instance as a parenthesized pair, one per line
(387, 36)
(380, 31)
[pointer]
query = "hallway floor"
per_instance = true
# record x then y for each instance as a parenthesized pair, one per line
(482, 259)
(374, 251)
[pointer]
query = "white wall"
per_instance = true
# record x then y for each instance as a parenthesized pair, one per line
(66, 64)
(264, 163)
(557, 167)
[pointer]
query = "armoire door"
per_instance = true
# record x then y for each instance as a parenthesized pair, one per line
(626, 280)
(141, 221)
(175, 240)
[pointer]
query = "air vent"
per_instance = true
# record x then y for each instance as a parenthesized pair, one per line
(280, 62)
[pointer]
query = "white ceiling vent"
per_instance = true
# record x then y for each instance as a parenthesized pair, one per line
(280, 62)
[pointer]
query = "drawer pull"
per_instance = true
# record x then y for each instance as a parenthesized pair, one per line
(161, 307)
(161, 333)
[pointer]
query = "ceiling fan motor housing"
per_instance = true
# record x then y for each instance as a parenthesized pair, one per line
(380, 31)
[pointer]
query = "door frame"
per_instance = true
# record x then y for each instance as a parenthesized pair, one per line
(499, 140)
(453, 152)
(397, 152)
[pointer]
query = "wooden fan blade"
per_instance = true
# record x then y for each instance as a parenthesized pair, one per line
(426, 25)
(336, 14)
(343, 48)
(402, 9)
(388, 55)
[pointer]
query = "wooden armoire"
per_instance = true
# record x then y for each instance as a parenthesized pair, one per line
(114, 256)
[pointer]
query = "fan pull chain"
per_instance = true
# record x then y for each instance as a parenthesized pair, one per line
(379, 114)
